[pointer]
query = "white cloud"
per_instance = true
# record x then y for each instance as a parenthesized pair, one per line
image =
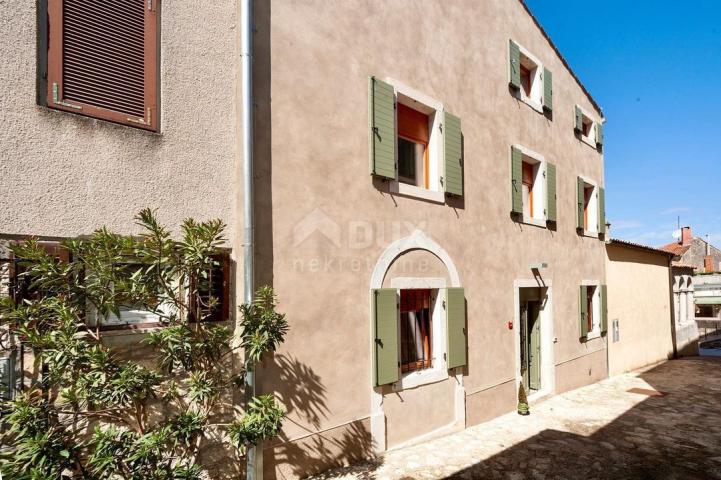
(625, 225)
(669, 211)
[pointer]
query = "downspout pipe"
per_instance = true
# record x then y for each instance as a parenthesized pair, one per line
(254, 459)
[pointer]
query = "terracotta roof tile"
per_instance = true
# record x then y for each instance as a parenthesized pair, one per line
(675, 248)
(639, 246)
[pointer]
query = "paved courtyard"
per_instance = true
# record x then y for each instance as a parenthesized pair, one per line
(603, 431)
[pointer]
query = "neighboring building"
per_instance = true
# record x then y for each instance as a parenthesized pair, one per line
(471, 259)
(695, 252)
(684, 310)
(707, 295)
(641, 325)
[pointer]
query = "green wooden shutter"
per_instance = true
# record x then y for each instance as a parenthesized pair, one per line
(382, 130)
(515, 64)
(579, 119)
(453, 155)
(583, 311)
(516, 181)
(599, 134)
(551, 192)
(601, 211)
(385, 305)
(604, 309)
(547, 89)
(580, 200)
(456, 327)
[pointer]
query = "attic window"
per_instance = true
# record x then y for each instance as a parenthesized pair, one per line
(589, 130)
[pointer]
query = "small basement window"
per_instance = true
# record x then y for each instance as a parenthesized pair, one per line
(416, 329)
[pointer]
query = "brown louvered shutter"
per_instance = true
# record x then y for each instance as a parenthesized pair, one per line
(103, 60)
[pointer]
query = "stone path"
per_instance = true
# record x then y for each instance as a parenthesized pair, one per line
(602, 431)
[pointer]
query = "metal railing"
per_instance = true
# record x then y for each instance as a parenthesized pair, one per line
(708, 327)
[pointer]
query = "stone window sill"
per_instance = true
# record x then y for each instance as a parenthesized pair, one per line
(417, 192)
(419, 378)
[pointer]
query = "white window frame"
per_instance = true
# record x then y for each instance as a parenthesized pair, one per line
(421, 102)
(595, 332)
(439, 366)
(592, 208)
(591, 139)
(539, 216)
(535, 100)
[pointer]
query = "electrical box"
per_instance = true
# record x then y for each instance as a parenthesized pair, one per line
(616, 331)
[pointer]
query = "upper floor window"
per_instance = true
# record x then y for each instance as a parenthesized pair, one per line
(588, 130)
(591, 208)
(533, 187)
(593, 310)
(413, 147)
(529, 79)
(414, 142)
(102, 60)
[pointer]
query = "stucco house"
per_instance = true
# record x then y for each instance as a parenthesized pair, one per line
(642, 328)
(428, 203)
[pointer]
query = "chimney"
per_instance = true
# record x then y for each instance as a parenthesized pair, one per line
(686, 236)
(708, 264)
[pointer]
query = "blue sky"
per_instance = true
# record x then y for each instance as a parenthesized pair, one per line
(655, 69)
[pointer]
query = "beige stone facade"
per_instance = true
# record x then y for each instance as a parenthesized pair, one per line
(327, 232)
(640, 311)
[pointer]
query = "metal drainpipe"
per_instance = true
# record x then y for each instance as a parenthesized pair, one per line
(254, 460)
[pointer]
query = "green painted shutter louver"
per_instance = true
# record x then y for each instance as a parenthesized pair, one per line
(547, 89)
(583, 311)
(579, 119)
(601, 211)
(382, 130)
(599, 134)
(551, 208)
(456, 327)
(580, 200)
(516, 181)
(385, 305)
(453, 154)
(604, 309)
(515, 64)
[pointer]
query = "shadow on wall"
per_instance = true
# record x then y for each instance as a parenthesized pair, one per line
(301, 391)
(674, 436)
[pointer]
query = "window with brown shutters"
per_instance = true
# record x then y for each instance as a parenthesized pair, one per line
(102, 60)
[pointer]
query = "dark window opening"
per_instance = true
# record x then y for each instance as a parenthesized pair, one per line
(416, 329)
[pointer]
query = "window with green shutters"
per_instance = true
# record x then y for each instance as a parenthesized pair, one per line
(592, 311)
(533, 187)
(530, 81)
(413, 142)
(589, 130)
(591, 208)
(408, 329)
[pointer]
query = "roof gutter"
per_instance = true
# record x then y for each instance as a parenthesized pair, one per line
(254, 459)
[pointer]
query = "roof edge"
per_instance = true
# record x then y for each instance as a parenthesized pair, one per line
(638, 246)
(563, 59)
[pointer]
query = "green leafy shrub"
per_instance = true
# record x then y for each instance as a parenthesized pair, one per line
(145, 422)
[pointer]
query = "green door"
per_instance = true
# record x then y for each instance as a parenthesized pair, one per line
(531, 345)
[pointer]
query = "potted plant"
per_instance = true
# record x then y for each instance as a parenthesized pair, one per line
(522, 401)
